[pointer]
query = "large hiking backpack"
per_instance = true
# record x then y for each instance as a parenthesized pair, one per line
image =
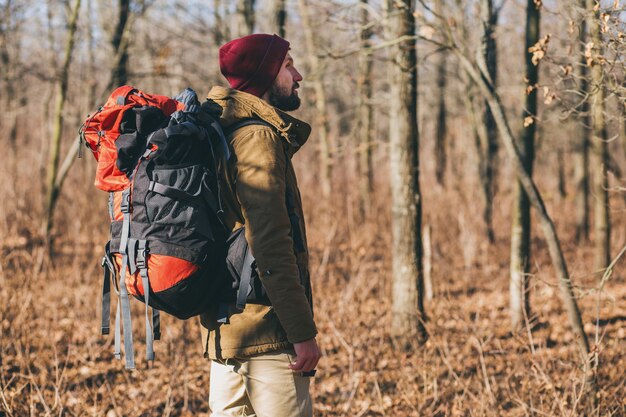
(158, 160)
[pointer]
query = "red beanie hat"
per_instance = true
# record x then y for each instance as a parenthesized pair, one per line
(252, 63)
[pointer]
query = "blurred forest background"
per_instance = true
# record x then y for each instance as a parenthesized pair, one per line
(464, 188)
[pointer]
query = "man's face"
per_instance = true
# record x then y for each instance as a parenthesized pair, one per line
(284, 92)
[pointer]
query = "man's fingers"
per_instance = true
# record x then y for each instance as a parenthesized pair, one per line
(298, 364)
(305, 364)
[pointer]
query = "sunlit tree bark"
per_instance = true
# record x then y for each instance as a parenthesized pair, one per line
(406, 204)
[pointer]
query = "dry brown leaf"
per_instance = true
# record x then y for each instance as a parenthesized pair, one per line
(528, 120)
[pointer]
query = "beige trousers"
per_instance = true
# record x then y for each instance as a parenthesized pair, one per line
(259, 386)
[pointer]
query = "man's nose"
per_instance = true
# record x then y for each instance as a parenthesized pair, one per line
(297, 77)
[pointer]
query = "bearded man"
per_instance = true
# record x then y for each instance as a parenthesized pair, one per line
(263, 356)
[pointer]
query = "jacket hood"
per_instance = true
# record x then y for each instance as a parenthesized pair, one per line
(238, 105)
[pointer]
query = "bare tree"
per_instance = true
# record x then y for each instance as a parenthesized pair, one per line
(406, 205)
(365, 114)
(55, 144)
(119, 75)
(489, 17)
(484, 131)
(599, 155)
(440, 120)
(245, 17)
(320, 97)
(520, 233)
(279, 17)
(7, 68)
(218, 27)
(581, 156)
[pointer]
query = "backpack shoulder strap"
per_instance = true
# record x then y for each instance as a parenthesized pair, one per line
(246, 122)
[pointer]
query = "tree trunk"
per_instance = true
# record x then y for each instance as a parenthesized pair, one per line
(52, 191)
(407, 303)
(120, 68)
(622, 123)
(245, 17)
(365, 116)
(561, 168)
(320, 99)
(599, 148)
(218, 34)
(521, 228)
(440, 121)
(489, 47)
(279, 17)
(9, 72)
(428, 264)
(547, 226)
(581, 156)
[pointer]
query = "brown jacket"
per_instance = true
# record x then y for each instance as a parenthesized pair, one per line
(259, 182)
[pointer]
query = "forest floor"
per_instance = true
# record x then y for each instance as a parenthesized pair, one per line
(53, 362)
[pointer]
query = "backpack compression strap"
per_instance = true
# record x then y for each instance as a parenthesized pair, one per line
(124, 302)
(245, 287)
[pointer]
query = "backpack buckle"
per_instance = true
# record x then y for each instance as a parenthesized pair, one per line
(125, 205)
(142, 253)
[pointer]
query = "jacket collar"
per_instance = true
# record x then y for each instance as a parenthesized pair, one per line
(238, 105)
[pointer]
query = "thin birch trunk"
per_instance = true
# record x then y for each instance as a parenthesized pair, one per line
(320, 99)
(52, 192)
(521, 227)
(599, 148)
(407, 303)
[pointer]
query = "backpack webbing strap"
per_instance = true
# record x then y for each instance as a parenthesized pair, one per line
(124, 302)
(142, 265)
(132, 250)
(218, 128)
(223, 312)
(245, 287)
(109, 274)
(246, 276)
(173, 192)
(156, 320)
(181, 195)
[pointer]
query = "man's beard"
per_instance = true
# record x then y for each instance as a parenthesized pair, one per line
(284, 99)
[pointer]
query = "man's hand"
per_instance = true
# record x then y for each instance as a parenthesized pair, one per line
(307, 356)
